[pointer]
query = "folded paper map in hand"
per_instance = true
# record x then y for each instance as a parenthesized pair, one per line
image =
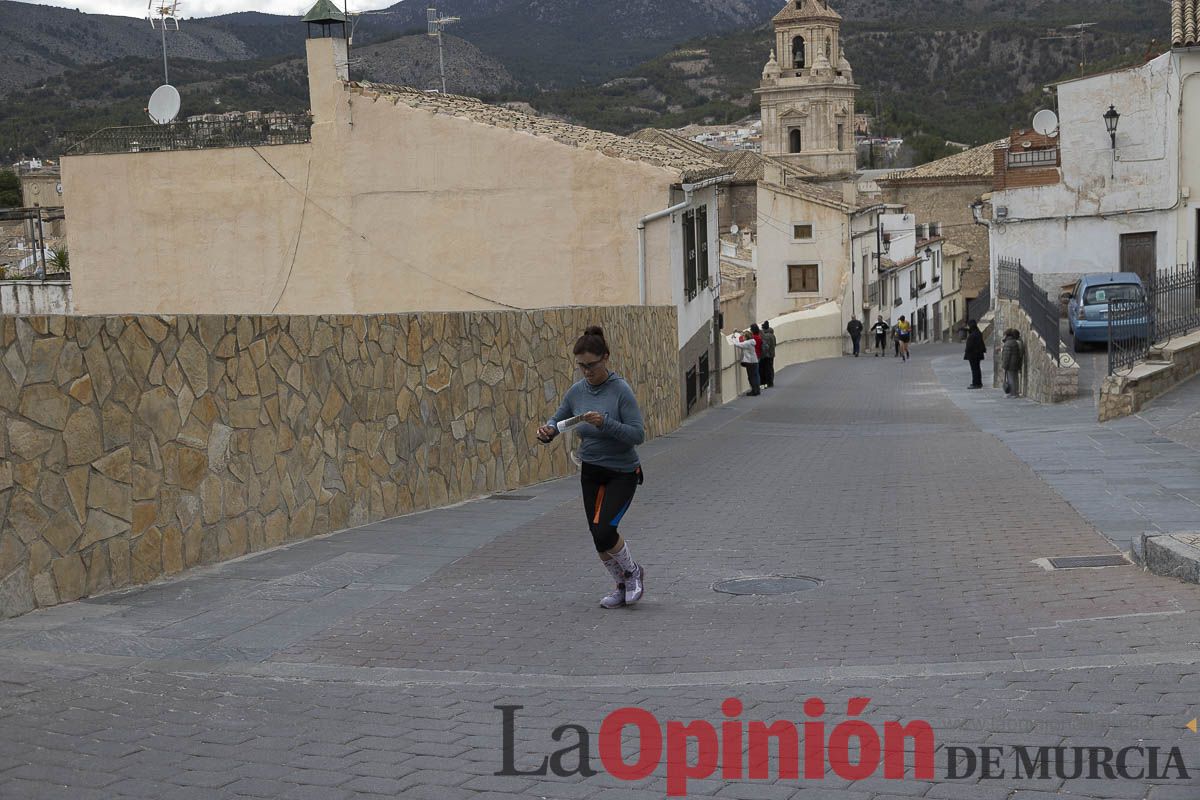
(569, 423)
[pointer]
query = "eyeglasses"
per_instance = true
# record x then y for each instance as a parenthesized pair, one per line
(589, 366)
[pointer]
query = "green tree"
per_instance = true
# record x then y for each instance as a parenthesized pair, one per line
(10, 189)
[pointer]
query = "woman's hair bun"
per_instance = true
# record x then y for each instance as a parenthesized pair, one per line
(594, 330)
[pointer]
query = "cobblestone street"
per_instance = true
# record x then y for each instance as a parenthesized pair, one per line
(369, 663)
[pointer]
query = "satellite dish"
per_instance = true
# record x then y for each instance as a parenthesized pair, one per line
(164, 104)
(1045, 122)
(734, 229)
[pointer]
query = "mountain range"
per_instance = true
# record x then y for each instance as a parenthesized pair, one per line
(957, 69)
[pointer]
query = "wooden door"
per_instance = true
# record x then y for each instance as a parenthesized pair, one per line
(1139, 254)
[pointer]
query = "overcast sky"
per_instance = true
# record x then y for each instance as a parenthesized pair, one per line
(200, 8)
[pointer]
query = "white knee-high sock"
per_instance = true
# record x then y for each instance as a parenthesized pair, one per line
(614, 569)
(624, 558)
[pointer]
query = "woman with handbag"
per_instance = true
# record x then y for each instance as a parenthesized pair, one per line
(1011, 358)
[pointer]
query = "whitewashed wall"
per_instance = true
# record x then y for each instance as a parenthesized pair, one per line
(1062, 231)
(35, 297)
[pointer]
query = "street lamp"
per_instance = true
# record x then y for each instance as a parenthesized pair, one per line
(1111, 118)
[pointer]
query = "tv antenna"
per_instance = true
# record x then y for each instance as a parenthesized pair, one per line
(164, 103)
(1068, 32)
(354, 17)
(436, 26)
(167, 20)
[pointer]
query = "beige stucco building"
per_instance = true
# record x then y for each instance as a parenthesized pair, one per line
(401, 200)
(943, 191)
(807, 91)
(803, 257)
(40, 186)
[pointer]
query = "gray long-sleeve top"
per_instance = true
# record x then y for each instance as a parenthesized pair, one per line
(612, 444)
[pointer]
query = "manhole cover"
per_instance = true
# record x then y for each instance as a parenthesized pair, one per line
(1076, 562)
(772, 584)
(510, 497)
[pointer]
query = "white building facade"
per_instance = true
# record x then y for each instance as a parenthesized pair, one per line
(1102, 202)
(911, 272)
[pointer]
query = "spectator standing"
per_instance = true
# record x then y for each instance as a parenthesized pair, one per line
(766, 364)
(855, 329)
(744, 345)
(1012, 357)
(974, 353)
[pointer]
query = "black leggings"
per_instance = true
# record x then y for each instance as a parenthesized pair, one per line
(606, 497)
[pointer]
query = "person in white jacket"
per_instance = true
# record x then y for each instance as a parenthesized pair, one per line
(748, 356)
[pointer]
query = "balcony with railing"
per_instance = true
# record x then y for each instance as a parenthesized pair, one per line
(1042, 157)
(270, 129)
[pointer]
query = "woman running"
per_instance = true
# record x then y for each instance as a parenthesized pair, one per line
(609, 425)
(904, 336)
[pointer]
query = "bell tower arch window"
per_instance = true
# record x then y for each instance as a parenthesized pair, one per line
(794, 142)
(798, 52)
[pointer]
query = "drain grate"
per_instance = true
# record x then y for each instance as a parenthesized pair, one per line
(1077, 562)
(771, 584)
(510, 497)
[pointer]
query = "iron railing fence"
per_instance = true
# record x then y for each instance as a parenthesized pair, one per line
(980, 305)
(1041, 310)
(1047, 157)
(268, 130)
(1175, 293)
(1169, 307)
(1007, 278)
(1014, 282)
(1130, 334)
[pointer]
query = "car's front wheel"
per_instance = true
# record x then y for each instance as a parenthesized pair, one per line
(1077, 345)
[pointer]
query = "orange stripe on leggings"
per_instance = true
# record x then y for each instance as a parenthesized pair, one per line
(599, 503)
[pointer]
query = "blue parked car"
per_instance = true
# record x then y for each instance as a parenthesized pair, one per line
(1087, 311)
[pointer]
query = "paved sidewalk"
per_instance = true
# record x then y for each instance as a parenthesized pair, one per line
(370, 663)
(1140, 474)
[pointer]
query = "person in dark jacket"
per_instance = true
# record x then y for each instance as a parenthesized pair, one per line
(855, 329)
(766, 364)
(1012, 356)
(975, 352)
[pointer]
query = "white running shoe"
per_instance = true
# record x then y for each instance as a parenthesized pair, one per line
(634, 584)
(615, 598)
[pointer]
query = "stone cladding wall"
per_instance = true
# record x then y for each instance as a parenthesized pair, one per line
(133, 447)
(1042, 378)
(1173, 363)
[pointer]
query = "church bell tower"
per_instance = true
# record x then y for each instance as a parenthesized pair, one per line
(807, 92)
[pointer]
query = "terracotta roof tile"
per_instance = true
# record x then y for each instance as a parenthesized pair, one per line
(691, 166)
(746, 166)
(814, 192)
(977, 162)
(1185, 23)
